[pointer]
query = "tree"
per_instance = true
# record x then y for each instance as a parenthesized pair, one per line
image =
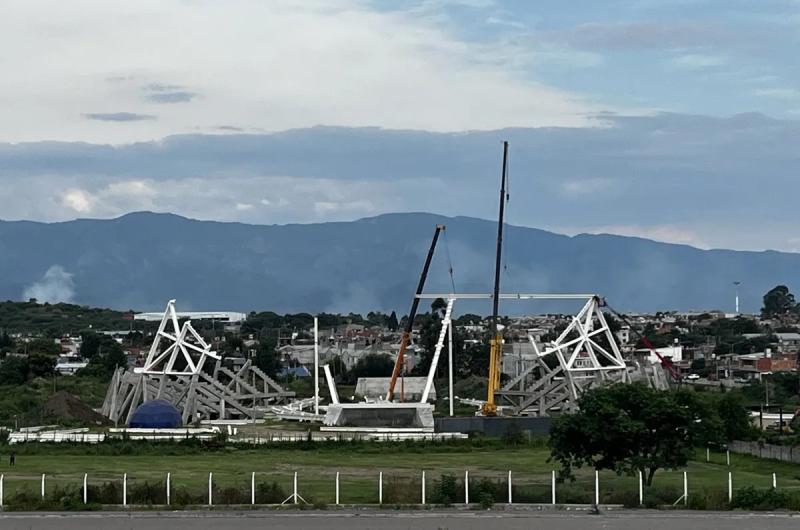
(393, 324)
(628, 428)
(778, 301)
(267, 360)
(41, 364)
(43, 346)
(734, 417)
(14, 370)
(372, 365)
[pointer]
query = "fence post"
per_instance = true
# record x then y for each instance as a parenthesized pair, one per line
(553, 487)
(466, 486)
(728, 456)
(423, 487)
(2, 478)
(685, 489)
(730, 487)
(380, 487)
(597, 487)
(85, 488)
(169, 483)
(125, 489)
(294, 488)
(337, 488)
(210, 489)
(708, 455)
(774, 481)
(509, 486)
(641, 489)
(42, 485)
(253, 488)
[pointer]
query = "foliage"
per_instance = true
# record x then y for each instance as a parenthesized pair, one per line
(372, 365)
(778, 301)
(751, 498)
(14, 370)
(41, 364)
(445, 490)
(267, 360)
(269, 493)
(55, 320)
(25, 401)
(628, 428)
(392, 324)
(734, 417)
(104, 354)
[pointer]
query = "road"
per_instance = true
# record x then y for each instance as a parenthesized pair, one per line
(396, 520)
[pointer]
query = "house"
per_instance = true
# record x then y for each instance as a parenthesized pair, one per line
(788, 342)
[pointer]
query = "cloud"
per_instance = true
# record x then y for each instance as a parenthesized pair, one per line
(77, 200)
(638, 35)
(181, 96)
(697, 61)
(664, 233)
(787, 94)
(587, 186)
(118, 116)
(163, 93)
(694, 173)
(365, 65)
(56, 285)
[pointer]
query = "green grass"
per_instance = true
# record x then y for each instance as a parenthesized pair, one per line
(359, 468)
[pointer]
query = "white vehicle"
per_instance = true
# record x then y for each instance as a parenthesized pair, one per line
(692, 377)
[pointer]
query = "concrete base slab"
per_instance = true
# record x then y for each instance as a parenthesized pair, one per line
(396, 415)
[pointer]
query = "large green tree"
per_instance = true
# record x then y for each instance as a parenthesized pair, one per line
(778, 301)
(628, 428)
(267, 359)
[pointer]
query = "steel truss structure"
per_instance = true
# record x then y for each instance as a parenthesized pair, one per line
(552, 378)
(177, 369)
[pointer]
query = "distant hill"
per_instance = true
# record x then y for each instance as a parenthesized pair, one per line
(141, 260)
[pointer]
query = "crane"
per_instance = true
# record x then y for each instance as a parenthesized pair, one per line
(496, 343)
(406, 337)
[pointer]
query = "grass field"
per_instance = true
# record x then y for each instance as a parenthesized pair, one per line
(359, 470)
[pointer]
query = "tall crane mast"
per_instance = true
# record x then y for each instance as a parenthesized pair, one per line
(496, 343)
(406, 338)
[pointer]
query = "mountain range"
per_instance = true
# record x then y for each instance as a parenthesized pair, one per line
(141, 260)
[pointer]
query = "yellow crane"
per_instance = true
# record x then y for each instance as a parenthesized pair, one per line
(496, 342)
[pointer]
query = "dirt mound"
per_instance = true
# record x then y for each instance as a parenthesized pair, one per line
(66, 407)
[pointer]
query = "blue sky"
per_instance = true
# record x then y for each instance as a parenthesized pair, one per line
(674, 120)
(716, 57)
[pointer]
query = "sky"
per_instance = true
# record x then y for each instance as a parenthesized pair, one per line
(676, 120)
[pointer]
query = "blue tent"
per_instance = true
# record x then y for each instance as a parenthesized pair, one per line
(156, 414)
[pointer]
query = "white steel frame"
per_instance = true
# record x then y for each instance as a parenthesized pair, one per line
(180, 347)
(582, 360)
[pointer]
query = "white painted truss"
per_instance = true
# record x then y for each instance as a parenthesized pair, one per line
(184, 350)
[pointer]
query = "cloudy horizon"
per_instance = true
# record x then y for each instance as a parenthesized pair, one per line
(674, 121)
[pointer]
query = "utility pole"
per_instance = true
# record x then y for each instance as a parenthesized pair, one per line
(736, 288)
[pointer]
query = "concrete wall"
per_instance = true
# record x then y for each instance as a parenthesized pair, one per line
(494, 427)
(784, 453)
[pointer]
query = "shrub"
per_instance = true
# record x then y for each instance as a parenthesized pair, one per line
(707, 499)
(147, 493)
(106, 493)
(402, 491)
(445, 490)
(270, 493)
(231, 495)
(750, 498)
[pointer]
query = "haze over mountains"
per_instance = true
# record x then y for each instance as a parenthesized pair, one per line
(141, 260)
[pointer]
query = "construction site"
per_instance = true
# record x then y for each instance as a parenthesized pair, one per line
(197, 386)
